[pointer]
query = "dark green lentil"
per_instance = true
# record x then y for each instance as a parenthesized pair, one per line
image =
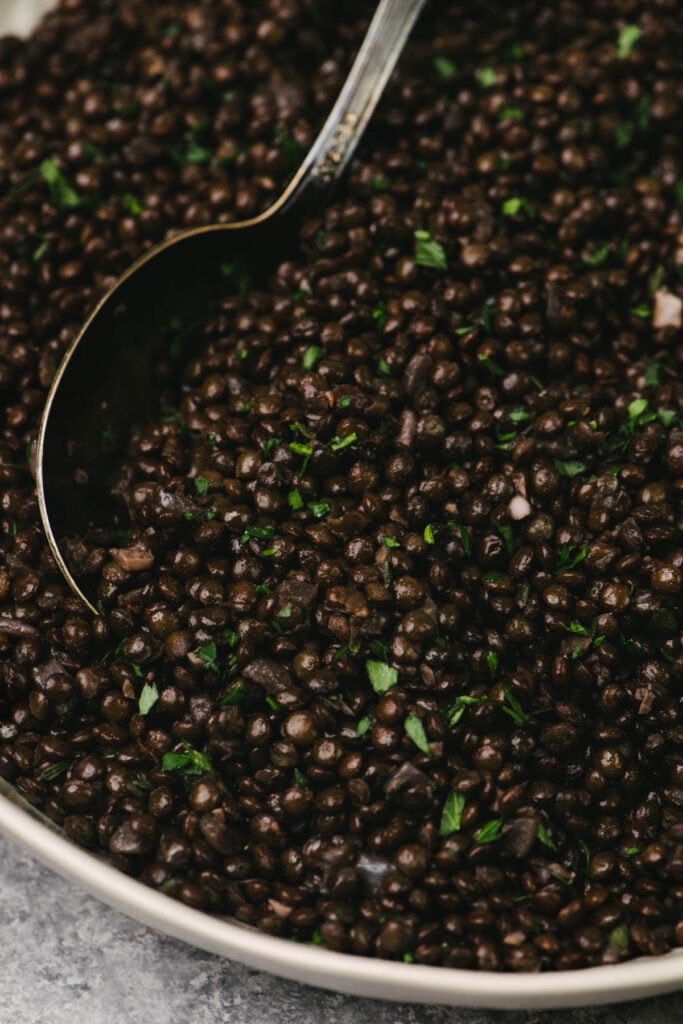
(412, 532)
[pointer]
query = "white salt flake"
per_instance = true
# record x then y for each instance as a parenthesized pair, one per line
(668, 309)
(519, 507)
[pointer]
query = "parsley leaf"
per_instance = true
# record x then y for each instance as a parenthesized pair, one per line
(149, 695)
(61, 192)
(190, 761)
(489, 832)
(429, 252)
(416, 730)
(628, 37)
(382, 676)
(451, 815)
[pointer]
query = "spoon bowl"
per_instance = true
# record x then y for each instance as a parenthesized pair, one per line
(108, 377)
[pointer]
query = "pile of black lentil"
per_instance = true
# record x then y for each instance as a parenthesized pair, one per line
(390, 659)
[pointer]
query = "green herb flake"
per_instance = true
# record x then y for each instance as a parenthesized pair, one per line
(189, 761)
(196, 154)
(513, 708)
(208, 655)
(489, 832)
(570, 468)
(235, 695)
(416, 730)
(300, 779)
(627, 39)
(623, 134)
(519, 416)
(383, 367)
(516, 205)
(492, 367)
(506, 532)
(382, 676)
(637, 407)
(511, 114)
(652, 375)
(257, 533)
(311, 356)
(295, 501)
(543, 837)
(428, 534)
(133, 204)
(201, 485)
(464, 535)
(42, 249)
(451, 815)
(642, 311)
(444, 67)
(319, 508)
(391, 542)
(429, 252)
(381, 184)
(379, 315)
(487, 77)
(570, 555)
(61, 193)
(52, 771)
(344, 401)
(586, 852)
(363, 726)
(457, 710)
(340, 444)
(149, 695)
(492, 663)
(631, 852)
(618, 940)
(598, 256)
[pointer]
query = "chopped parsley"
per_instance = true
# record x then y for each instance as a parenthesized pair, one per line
(513, 708)
(627, 39)
(429, 252)
(208, 655)
(201, 485)
(382, 676)
(416, 730)
(61, 193)
(319, 508)
(570, 468)
(543, 837)
(457, 710)
(487, 77)
(515, 205)
(149, 695)
(311, 356)
(189, 761)
(444, 67)
(340, 444)
(489, 832)
(451, 815)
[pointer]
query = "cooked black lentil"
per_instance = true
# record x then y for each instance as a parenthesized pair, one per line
(391, 658)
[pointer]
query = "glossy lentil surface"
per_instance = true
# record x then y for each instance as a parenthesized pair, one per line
(389, 656)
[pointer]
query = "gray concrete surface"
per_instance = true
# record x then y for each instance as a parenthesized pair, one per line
(67, 959)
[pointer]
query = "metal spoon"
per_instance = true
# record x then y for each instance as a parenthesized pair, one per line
(106, 378)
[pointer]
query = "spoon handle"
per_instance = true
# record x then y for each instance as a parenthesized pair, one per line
(331, 152)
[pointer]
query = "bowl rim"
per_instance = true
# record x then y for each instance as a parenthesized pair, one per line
(339, 972)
